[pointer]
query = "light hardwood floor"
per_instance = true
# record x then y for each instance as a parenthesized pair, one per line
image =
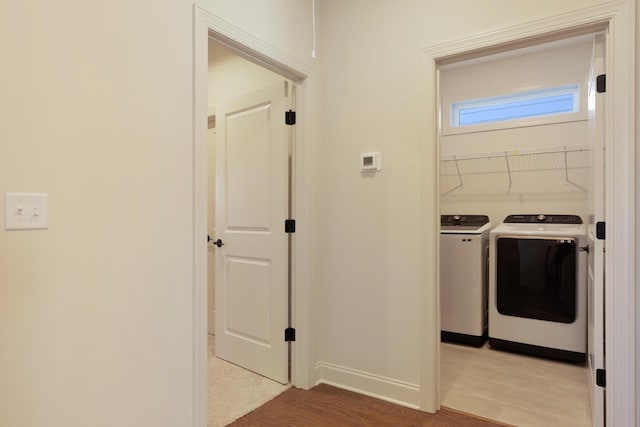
(513, 388)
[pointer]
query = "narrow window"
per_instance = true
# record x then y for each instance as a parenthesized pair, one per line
(522, 105)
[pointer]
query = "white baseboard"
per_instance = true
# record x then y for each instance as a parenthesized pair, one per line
(389, 389)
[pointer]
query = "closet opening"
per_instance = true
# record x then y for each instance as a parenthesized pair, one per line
(521, 312)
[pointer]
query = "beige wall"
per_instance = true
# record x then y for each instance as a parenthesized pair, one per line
(96, 312)
(369, 322)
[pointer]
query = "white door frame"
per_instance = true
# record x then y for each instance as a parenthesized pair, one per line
(618, 18)
(208, 26)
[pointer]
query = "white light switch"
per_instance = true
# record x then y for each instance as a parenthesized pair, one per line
(26, 211)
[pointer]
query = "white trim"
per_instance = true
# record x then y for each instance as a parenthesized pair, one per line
(637, 219)
(430, 211)
(553, 28)
(389, 389)
(208, 26)
(620, 202)
(200, 115)
(620, 259)
(256, 50)
(451, 109)
(302, 354)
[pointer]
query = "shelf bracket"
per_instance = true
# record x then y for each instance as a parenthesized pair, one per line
(506, 159)
(455, 160)
(566, 172)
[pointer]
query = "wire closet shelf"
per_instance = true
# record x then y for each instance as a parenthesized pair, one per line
(568, 160)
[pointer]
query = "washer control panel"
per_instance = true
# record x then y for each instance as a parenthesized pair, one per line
(464, 220)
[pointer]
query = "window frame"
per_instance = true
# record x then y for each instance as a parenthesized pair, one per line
(450, 106)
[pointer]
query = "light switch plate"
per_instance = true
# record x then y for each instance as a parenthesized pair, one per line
(26, 211)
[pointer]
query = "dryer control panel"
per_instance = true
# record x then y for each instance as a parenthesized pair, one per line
(544, 219)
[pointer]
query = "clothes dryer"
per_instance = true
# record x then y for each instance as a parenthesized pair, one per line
(537, 286)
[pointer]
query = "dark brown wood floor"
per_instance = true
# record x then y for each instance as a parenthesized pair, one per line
(324, 405)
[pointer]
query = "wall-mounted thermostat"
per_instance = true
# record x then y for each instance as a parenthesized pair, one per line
(370, 162)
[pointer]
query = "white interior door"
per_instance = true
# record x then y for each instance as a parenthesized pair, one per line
(252, 152)
(596, 274)
(211, 224)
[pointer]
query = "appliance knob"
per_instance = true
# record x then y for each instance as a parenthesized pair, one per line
(456, 217)
(541, 217)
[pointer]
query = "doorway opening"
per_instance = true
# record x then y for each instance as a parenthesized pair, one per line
(257, 51)
(248, 256)
(530, 163)
(620, 163)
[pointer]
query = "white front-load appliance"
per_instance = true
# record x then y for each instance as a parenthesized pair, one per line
(464, 241)
(537, 286)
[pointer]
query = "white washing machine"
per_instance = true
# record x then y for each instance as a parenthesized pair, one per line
(538, 286)
(464, 241)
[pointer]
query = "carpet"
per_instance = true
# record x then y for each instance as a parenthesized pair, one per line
(234, 391)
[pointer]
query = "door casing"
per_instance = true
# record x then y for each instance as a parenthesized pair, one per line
(618, 20)
(208, 26)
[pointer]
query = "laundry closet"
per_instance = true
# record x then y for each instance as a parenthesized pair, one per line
(516, 141)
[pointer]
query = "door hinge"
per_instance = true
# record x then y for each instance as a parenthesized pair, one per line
(290, 117)
(601, 377)
(289, 334)
(601, 83)
(600, 230)
(289, 225)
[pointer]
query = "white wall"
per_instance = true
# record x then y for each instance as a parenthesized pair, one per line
(369, 323)
(538, 182)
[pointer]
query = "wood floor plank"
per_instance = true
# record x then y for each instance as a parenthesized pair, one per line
(325, 405)
(514, 388)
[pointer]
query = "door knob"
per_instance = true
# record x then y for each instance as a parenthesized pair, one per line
(218, 243)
